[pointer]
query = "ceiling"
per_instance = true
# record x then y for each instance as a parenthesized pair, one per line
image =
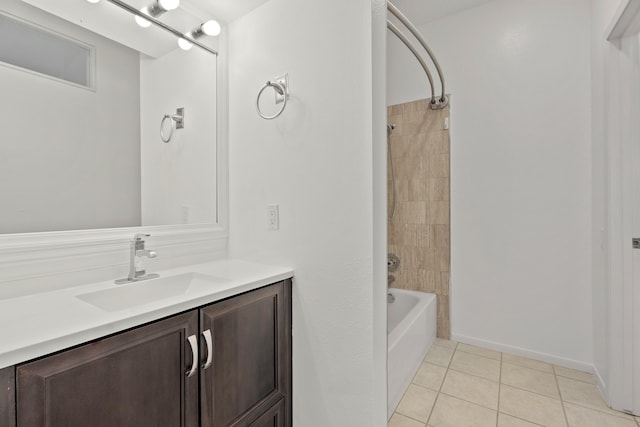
(418, 11)
(423, 11)
(225, 10)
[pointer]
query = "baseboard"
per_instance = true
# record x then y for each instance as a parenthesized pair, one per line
(518, 351)
(604, 391)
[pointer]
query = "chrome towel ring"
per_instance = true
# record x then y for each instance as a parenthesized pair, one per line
(177, 122)
(281, 87)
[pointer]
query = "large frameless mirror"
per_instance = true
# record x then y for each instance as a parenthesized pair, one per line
(106, 123)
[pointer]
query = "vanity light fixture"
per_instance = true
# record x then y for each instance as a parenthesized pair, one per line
(209, 28)
(184, 44)
(155, 9)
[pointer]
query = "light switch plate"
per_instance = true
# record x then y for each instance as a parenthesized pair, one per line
(273, 218)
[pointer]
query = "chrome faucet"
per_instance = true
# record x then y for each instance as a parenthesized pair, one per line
(137, 249)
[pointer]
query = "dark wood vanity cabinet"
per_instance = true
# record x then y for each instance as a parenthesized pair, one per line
(8, 397)
(274, 417)
(140, 377)
(131, 379)
(251, 351)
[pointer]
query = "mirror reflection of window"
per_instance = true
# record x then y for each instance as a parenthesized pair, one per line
(30, 47)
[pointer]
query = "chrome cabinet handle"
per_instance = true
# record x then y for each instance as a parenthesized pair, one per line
(193, 343)
(207, 338)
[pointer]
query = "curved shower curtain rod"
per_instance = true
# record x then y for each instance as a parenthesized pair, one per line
(435, 104)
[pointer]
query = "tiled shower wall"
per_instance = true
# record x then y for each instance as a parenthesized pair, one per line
(419, 230)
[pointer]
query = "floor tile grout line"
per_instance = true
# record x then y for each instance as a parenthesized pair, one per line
(435, 402)
(533, 392)
(573, 379)
(479, 355)
(474, 375)
(432, 408)
(564, 410)
(424, 387)
(466, 401)
(407, 416)
(522, 419)
(532, 369)
(529, 367)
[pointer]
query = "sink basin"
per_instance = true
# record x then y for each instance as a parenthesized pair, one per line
(121, 297)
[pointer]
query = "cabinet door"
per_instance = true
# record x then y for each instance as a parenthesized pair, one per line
(133, 379)
(251, 363)
(274, 417)
(8, 397)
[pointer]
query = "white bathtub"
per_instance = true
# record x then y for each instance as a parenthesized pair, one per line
(411, 329)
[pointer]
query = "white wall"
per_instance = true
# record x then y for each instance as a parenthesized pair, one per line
(71, 157)
(316, 162)
(379, 208)
(179, 175)
(602, 12)
(518, 72)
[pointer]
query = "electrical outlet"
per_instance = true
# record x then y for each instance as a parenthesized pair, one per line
(186, 214)
(273, 217)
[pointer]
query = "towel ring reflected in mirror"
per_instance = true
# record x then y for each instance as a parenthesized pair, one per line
(176, 122)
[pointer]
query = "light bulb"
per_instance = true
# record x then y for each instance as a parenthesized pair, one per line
(184, 44)
(140, 20)
(93, 1)
(169, 4)
(211, 28)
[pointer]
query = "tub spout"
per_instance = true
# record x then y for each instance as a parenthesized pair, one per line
(390, 279)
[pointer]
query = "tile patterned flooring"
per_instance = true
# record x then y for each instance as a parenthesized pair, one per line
(459, 385)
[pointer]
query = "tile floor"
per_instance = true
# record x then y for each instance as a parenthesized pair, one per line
(459, 385)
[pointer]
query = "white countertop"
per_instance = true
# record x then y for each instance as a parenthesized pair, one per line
(36, 325)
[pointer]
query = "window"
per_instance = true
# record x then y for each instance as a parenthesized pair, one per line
(40, 50)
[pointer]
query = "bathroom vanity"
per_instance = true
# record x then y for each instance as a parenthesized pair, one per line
(222, 363)
(205, 343)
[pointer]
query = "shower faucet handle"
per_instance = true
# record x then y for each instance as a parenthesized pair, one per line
(393, 262)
